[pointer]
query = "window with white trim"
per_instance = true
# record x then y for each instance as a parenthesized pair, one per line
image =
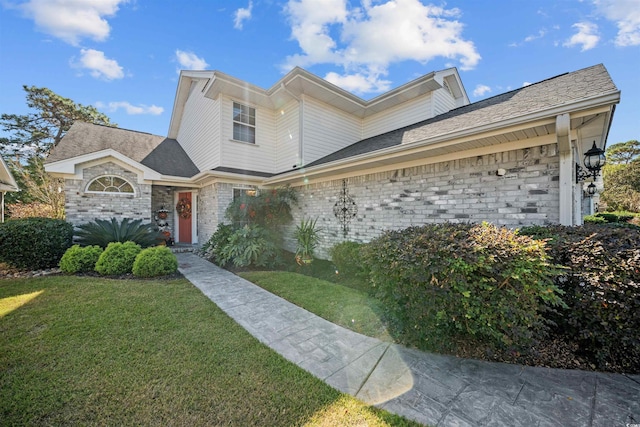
(244, 123)
(110, 184)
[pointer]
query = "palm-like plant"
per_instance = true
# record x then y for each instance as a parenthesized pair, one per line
(307, 236)
(101, 232)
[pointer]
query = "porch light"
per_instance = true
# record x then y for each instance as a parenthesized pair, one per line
(594, 160)
(591, 190)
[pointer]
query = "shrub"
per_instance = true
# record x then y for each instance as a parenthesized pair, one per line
(101, 232)
(117, 258)
(602, 291)
(212, 250)
(594, 219)
(268, 209)
(156, 261)
(250, 245)
(79, 259)
(347, 258)
(450, 281)
(34, 243)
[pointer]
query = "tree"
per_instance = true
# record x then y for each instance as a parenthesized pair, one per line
(31, 138)
(36, 133)
(623, 152)
(622, 187)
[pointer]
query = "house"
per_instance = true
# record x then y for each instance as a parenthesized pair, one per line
(7, 183)
(419, 153)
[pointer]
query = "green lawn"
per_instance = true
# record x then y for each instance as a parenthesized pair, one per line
(345, 306)
(92, 351)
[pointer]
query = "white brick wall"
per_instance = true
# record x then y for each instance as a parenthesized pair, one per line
(82, 207)
(466, 190)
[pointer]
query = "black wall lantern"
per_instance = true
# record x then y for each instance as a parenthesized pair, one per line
(591, 190)
(594, 160)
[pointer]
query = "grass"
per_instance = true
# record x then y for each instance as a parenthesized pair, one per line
(92, 351)
(342, 305)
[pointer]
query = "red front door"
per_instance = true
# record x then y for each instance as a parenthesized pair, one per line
(184, 217)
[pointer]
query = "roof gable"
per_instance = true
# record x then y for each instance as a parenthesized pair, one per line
(161, 154)
(7, 182)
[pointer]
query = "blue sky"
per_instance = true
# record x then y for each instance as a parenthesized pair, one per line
(123, 56)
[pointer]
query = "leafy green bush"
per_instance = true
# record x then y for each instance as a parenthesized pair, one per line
(101, 232)
(602, 291)
(117, 258)
(594, 219)
(250, 245)
(268, 209)
(449, 281)
(78, 259)
(156, 261)
(212, 249)
(619, 216)
(34, 243)
(347, 258)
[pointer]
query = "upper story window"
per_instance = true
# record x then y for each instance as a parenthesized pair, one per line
(244, 123)
(110, 184)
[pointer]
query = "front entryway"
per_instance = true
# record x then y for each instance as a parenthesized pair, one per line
(185, 216)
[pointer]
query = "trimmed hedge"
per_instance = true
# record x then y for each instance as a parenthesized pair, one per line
(445, 281)
(347, 258)
(117, 258)
(156, 261)
(602, 290)
(34, 243)
(78, 259)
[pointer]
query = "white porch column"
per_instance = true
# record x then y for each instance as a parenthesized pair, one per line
(567, 177)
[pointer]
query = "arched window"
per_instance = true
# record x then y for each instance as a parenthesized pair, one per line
(110, 184)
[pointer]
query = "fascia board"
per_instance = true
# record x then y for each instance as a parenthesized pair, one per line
(68, 166)
(184, 83)
(542, 117)
(10, 184)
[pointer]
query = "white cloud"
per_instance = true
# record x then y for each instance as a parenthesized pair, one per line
(242, 14)
(525, 84)
(359, 83)
(72, 20)
(481, 90)
(99, 65)
(626, 15)
(190, 61)
(131, 109)
(365, 40)
(586, 37)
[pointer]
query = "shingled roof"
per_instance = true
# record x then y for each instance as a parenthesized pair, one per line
(556, 91)
(161, 154)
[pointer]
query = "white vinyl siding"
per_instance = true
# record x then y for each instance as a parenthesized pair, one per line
(443, 101)
(327, 129)
(288, 136)
(199, 133)
(405, 114)
(258, 157)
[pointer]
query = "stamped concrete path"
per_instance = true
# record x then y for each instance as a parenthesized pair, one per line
(429, 388)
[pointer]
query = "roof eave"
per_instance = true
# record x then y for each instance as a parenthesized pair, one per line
(611, 98)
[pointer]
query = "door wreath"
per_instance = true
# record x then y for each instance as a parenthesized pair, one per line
(184, 208)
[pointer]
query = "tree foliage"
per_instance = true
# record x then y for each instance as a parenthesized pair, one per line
(30, 139)
(37, 132)
(623, 152)
(622, 187)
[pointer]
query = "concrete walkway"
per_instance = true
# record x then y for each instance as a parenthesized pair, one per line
(429, 388)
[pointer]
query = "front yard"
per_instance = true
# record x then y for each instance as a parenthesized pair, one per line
(94, 351)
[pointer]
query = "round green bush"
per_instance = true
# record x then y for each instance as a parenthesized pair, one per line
(156, 261)
(347, 258)
(34, 243)
(78, 259)
(117, 258)
(457, 281)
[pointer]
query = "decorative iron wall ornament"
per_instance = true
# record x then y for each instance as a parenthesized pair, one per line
(345, 208)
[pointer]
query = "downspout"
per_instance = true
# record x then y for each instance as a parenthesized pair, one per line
(563, 133)
(300, 124)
